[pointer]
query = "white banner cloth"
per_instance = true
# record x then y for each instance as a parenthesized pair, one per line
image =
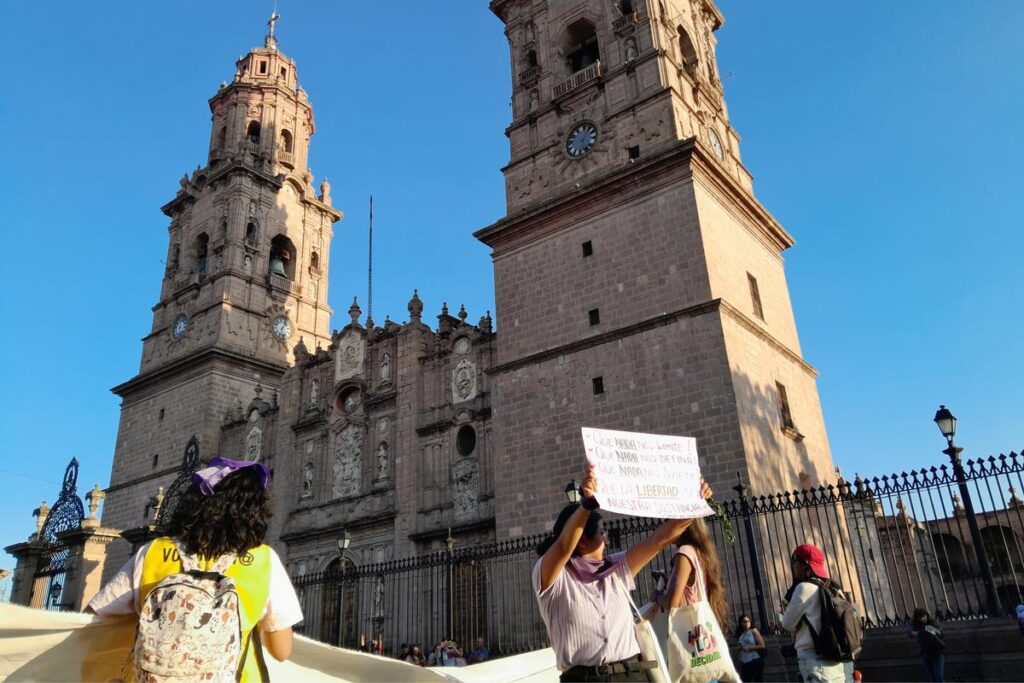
(646, 475)
(40, 645)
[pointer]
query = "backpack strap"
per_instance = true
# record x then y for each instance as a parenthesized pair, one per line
(189, 563)
(261, 663)
(223, 563)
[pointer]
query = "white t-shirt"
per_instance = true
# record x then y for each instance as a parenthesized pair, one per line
(121, 594)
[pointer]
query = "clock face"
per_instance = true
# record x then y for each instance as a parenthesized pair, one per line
(281, 327)
(180, 327)
(716, 145)
(581, 140)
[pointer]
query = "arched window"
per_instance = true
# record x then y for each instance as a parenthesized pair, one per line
(253, 132)
(687, 53)
(222, 137)
(531, 58)
(202, 246)
(626, 6)
(250, 232)
(580, 45)
(285, 144)
(314, 261)
(949, 552)
(282, 257)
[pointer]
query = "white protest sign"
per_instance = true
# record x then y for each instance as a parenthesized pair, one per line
(646, 475)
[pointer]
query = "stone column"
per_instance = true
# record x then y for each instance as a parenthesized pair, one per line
(27, 555)
(87, 551)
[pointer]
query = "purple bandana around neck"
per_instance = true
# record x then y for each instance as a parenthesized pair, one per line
(589, 571)
(219, 467)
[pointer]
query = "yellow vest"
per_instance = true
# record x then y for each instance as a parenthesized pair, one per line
(251, 573)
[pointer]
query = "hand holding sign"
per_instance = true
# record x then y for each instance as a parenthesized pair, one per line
(646, 475)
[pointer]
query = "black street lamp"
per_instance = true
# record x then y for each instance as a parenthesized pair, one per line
(946, 422)
(55, 591)
(344, 541)
(572, 492)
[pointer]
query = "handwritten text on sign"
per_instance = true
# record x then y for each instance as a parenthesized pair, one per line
(646, 475)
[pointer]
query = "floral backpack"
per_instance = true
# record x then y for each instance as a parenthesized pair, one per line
(189, 626)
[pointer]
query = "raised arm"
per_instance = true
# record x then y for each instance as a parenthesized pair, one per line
(640, 555)
(556, 557)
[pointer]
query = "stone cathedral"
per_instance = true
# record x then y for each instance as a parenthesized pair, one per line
(639, 285)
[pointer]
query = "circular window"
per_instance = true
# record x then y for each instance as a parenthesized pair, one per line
(348, 401)
(465, 441)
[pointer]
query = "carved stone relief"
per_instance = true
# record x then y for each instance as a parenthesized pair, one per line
(254, 444)
(385, 369)
(347, 462)
(466, 488)
(307, 480)
(348, 357)
(464, 381)
(382, 461)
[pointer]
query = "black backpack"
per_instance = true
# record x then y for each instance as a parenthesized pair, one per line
(841, 627)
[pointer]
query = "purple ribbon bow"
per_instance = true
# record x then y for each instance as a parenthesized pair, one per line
(219, 467)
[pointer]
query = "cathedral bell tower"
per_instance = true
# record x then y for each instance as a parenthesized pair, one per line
(245, 281)
(639, 283)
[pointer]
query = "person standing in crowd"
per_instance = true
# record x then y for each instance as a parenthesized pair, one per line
(1020, 617)
(933, 647)
(480, 652)
(219, 525)
(802, 617)
(583, 595)
(752, 651)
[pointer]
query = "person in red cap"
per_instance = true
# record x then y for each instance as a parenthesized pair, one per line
(803, 613)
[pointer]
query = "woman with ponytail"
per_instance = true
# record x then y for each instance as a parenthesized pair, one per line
(583, 595)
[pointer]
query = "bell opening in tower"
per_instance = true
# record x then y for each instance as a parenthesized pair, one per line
(282, 262)
(580, 46)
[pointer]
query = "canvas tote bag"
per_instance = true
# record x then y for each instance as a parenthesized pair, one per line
(650, 650)
(696, 647)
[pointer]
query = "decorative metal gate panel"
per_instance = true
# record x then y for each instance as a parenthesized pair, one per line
(66, 514)
(189, 464)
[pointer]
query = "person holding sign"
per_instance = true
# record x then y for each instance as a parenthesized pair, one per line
(583, 595)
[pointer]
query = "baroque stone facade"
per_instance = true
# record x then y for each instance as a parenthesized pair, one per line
(639, 286)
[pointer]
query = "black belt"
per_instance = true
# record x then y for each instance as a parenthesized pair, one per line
(624, 666)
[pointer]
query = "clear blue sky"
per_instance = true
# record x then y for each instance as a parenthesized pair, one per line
(887, 142)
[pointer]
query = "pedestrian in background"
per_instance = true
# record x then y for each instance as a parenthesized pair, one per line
(933, 647)
(752, 651)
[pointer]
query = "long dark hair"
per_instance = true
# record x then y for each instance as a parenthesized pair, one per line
(590, 530)
(232, 520)
(699, 537)
(739, 625)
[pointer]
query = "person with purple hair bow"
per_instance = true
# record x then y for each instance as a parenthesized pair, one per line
(219, 525)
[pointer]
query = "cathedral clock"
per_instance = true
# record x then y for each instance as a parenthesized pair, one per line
(581, 140)
(281, 327)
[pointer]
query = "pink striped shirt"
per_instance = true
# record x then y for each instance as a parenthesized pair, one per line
(588, 623)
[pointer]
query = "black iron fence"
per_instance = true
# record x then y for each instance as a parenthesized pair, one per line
(895, 543)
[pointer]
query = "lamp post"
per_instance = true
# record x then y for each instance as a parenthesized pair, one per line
(572, 492)
(55, 591)
(450, 542)
(344, 541)
(946, 422)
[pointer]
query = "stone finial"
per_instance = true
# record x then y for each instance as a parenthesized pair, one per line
(41, 513)
(153, 505)
(300, 351)
(258, 390)
(354, 311)
(444, 308)
(273, 399)
(901, 506)
(415, 306)
(325, 191)
(1014, 502)
(462, 313)
(486, 325)
(369, 323)
(95, 497)
(957, 505)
